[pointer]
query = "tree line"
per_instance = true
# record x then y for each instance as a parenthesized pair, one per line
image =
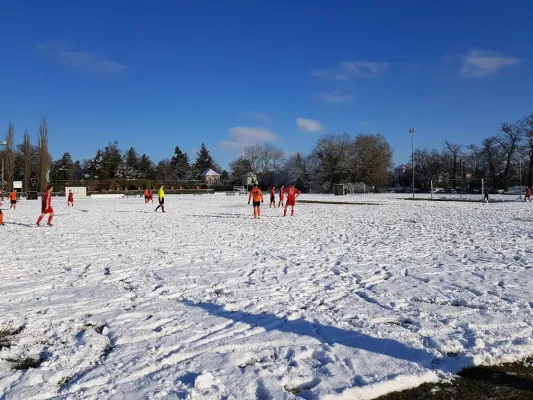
(498, 159)
(33, 165)
(26, 162)
(335, 159)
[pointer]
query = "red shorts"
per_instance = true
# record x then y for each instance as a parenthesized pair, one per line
(48, 210)
(291, 202)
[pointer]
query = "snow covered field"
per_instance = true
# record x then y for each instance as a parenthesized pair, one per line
(339, 302)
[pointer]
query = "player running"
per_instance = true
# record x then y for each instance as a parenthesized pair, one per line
(292, 195)
(70, 199)
(146, 196)
(13, 198)
(528, 195)
(46, 207)
(281, 196)
(257, 195)
(161, 195)
(272, 197)
(151, 195)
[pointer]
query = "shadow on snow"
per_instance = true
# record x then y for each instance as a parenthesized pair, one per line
(326, 334)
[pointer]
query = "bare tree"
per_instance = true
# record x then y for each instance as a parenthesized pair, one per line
(26, 156)
(455, 150)
(371, 156)
(509, 139)
(332, 160)
(492, 157)
(44, 156)
(266, 161)
(10, 156)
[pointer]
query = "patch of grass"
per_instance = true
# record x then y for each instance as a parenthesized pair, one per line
(346, 203)
(25, 363)
(64, 381)
(511, 381)
(5, 335)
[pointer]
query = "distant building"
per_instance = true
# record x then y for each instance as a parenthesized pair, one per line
(210, 177)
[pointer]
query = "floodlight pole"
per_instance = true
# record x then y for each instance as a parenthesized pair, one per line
(4, 144)
(412, 132)
(461, 162)
(520, 172)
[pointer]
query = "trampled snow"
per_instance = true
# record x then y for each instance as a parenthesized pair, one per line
(203, 302)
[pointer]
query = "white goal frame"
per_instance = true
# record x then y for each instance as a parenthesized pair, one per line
(80, 192)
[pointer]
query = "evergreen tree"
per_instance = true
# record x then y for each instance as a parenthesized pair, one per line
(180, 163)
(204, 161)
(63, 169)
(146, 167)
(129, 169)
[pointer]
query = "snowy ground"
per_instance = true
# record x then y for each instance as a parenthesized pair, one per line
(339, 302)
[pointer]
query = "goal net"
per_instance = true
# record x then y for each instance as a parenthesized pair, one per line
(80, 193)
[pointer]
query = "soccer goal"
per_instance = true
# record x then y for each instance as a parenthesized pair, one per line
(80, 192)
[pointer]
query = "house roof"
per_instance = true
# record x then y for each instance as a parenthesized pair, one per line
(209, 172)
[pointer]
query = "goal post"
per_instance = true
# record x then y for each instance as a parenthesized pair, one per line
(80, 192)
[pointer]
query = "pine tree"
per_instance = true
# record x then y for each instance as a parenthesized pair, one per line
(146, 167)
(180, 164)
(63, 169)
(129, 169)
(204, 161)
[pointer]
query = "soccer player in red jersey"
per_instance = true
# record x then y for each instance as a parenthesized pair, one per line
(292, 194)
(1, 213)
(281, 196)
(257, 196)
(46, 207)
(272, 197)
(70, 200)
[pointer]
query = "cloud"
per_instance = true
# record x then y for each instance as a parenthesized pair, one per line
(243, 136)
(73, 58)
(308, 125)
(336, 98)
(353, 69)
(481, 63)
(256, 115)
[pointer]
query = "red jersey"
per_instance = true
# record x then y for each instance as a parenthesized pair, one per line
(272, 192)
(292, 193)
(47, 201)
(71, 197)
(282, 192)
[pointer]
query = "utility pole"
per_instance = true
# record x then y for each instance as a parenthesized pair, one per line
(412, 132)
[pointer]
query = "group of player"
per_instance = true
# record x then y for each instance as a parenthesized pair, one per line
(290, 192)
(46, 205)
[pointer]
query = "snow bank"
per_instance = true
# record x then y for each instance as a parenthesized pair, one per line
(341, 301)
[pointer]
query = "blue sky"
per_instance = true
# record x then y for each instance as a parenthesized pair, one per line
(154, 75)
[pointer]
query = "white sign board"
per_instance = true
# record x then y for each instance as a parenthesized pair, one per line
(17, 184)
